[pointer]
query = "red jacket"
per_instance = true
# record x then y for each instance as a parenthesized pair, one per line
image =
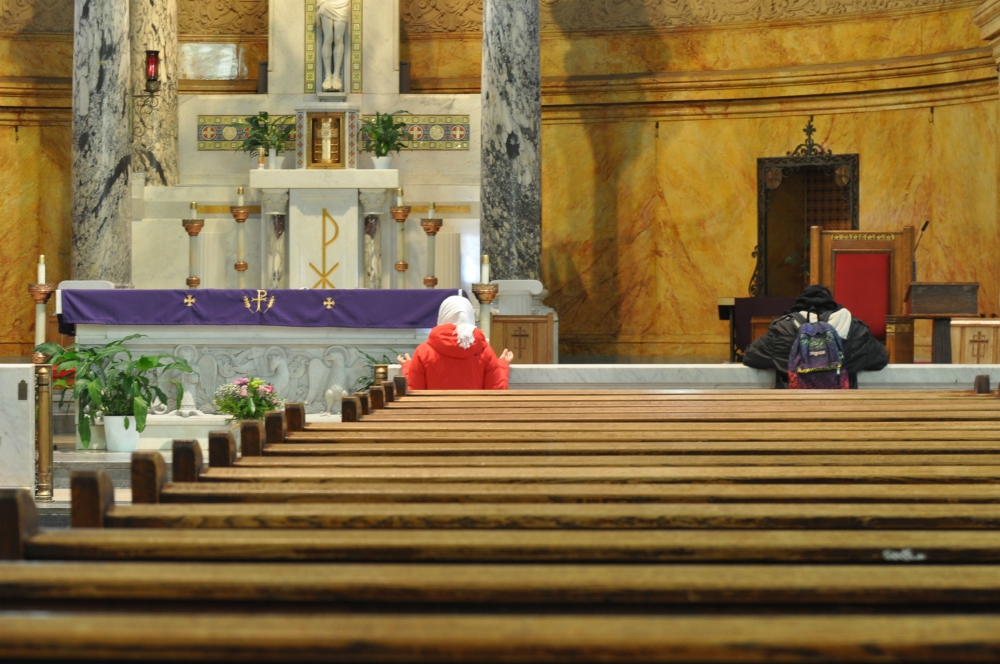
(441, 364)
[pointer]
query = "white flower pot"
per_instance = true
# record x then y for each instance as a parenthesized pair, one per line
(383, 163)
(119, 438)
(272, 157)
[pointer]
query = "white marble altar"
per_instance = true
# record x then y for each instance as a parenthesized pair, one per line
(17, 426)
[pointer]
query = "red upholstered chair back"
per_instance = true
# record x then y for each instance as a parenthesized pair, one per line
(861, 283)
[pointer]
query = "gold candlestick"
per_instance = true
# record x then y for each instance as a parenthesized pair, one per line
(193, 226)
(431, 227)
(400, 214)
(485, 293)
(40, 294)
(240, 214)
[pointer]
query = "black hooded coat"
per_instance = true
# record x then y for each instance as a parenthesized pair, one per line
(862, 351)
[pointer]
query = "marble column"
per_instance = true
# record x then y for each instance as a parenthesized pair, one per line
(102, 147)
(153, 27)
(511, 225)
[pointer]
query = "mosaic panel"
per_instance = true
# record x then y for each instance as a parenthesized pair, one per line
(356, 48)
(226, 132)
(434, 132)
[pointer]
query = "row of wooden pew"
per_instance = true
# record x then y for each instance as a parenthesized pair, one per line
(542, 526)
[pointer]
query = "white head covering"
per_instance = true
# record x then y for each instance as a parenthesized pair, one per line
(458, 311)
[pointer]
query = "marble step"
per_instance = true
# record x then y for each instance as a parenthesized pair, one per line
(117, 464)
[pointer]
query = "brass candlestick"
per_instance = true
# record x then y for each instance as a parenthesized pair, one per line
(400, 214)
(431, 227)
(485, 293)
(240, 214)
(40, 294)
(193, 226)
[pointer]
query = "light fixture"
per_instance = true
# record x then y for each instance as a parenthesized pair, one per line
(152, 71)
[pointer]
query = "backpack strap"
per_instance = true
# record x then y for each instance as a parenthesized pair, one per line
(799, 320)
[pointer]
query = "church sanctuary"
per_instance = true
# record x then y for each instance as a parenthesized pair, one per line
(500, 331)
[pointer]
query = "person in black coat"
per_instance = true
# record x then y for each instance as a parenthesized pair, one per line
(862, 351)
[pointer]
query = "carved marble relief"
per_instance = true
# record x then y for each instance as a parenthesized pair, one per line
(310, 375)
(245, 18)
(36, 16)
(453, 16)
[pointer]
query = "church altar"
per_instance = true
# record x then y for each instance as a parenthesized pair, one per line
(311, 344)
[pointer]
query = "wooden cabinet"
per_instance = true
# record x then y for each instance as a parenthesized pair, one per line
(975, 341)
(529, 338)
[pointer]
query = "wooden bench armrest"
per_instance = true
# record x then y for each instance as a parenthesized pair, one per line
(366, 404)
(221, 450)
(18, 522)
(390, 391)
(377, 396)
(351, 410)
(93, 494)
(149, 474)
(275, 426)
(187, 461)
(401, 384)
(252, 438)
(295, 416)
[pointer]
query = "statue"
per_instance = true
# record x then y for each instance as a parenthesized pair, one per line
(332, 17)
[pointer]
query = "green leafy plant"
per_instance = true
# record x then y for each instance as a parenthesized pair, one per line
(247, 399)
(367, 381)
(265, 133)
(382, 134)
(110, 381)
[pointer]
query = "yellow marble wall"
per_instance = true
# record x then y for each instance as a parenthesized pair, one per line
(645, 226)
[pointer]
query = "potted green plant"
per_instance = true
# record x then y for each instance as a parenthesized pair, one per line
(266, 135)
(381, 135)
(378, 370)
(113, 383)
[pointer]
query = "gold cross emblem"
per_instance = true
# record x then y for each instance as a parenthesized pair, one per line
(189, 300)
(324, 273)
(260, 299)
(328, 303)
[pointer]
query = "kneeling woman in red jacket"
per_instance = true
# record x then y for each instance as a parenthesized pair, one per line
(456, 355)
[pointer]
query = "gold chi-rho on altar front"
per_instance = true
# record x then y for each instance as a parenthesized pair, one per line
(259, 300)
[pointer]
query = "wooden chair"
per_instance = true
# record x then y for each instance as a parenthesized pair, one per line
(868, 272)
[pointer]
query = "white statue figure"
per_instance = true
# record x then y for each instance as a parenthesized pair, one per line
(332, 17)
(328, 379)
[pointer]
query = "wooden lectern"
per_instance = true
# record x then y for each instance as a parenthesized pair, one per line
(940, 303)
(529, 338)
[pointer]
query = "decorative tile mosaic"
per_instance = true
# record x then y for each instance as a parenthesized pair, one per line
(434, 132)
(356, 48)
(226, 132)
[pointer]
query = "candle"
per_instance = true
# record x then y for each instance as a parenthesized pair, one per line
(41, 269)
(485, 277)
(399, 198)
(430, 211)
(194, 210)
(239, 197)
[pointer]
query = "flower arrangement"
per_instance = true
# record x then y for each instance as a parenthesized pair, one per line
(247, 399)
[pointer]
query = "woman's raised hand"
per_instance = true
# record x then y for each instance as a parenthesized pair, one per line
(506, 355)
(404, 358)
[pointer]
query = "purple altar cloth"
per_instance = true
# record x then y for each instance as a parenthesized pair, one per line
(289, 308)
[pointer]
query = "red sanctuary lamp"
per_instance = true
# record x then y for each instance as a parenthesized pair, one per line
(152, 71)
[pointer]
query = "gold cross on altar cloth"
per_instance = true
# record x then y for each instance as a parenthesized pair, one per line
(189, 300)
(324, 274)
(328, 303)
(979, 345)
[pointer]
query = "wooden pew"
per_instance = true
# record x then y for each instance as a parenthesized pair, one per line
(503, 638)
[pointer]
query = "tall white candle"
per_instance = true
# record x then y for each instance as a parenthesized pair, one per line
(431, 211)
(239, 197)
(399, 198)
(41, 269)
(485, 276)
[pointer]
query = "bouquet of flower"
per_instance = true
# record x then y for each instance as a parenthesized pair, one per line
(247, 399)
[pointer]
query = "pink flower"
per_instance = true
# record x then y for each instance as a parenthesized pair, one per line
(241, 381)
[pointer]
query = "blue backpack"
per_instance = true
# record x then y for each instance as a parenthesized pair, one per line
(817, 358)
